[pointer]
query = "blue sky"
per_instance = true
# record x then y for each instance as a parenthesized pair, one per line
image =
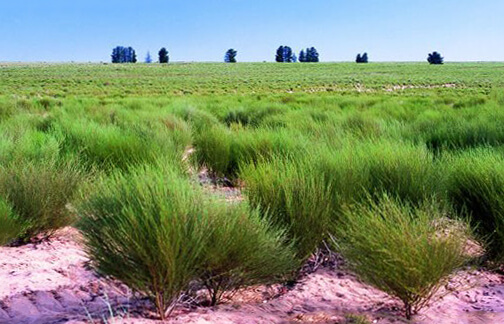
(198, 30)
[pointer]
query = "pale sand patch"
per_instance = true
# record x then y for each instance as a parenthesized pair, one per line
(50, 283)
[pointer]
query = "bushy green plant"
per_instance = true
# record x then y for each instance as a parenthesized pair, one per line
(147, 229)
(243, 249)
(11, 227)
(223, 150)
(294, 195)
(39, 193)
(403, 250)
(475, 184)
(156, 232)
(363, 168)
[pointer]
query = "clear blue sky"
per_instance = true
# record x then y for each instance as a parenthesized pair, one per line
(202, 30)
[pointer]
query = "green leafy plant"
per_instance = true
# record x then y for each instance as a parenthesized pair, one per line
(475, 185)
(244, 249)
(39, 193)
(11, 227)
(405, 251)
(156, 232)
(293, 195)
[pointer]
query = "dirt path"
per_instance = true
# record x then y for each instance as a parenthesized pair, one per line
(50, 283)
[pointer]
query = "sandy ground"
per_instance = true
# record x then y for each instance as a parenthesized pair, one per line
(50, 282)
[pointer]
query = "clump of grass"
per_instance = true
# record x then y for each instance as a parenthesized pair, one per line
(11, 227)
(39, 192)
(294, 195)
(363, 168)
(244, 249)
(148, 230)
(156, 232)
(223, 150)
(475, 184)
(403, 250)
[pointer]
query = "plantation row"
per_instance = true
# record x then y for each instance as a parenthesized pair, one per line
(396, 184)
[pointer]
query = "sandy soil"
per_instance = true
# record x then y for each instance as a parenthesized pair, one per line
(50, 282)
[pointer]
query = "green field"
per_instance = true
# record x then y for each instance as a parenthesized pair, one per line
(375, 160)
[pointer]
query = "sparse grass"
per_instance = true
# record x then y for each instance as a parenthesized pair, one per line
(403, 250)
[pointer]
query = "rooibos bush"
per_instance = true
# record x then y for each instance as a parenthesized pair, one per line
(156, 232)
(403, 250)
(475, 184)
(243, 249)
(295, 197)
(39, 193)
(11, 227)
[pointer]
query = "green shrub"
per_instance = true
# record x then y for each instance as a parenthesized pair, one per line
(223, 150)
(403, 250)
(295, 198)
(475, 184)
(10, 226)
(244, 249)
(359, 169)
(147, 229)
(156, 232)
(39, 193)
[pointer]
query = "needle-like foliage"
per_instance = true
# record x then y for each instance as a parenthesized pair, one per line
(403, 250)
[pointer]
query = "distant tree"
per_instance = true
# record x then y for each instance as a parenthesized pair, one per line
(148, 58)
(365, 58)
(122, 54)
(287, 54)
(163, 56)
(280, 54)
(294, 58)
(302, 56)
(310, 55)
(362, 59)
(230, 56)
(435, 58)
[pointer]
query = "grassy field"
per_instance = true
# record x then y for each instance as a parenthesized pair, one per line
(401, 162)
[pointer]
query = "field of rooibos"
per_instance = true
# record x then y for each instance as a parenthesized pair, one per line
(252, 193)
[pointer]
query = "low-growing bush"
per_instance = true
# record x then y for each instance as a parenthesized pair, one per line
(156, 232)
(11, 227)
(403, 250)
(359, 169)
(295, 196)
(39, 192)
(475, 185)
(223, 150)
(243, 249)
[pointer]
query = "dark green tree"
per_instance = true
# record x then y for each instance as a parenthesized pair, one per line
(362, 58)
(163, 56)
(302, 56)
(121, 54)
(230, 56)
(435, 58)
(280, 55)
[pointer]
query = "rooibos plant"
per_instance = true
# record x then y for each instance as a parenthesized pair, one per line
(11, 227)
(475, 184)
(243, 249)
(405, 251)
(39, 192)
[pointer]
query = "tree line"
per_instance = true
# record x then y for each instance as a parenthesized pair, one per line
(284, 54)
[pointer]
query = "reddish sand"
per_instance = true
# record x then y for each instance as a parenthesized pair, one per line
(50, 282)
